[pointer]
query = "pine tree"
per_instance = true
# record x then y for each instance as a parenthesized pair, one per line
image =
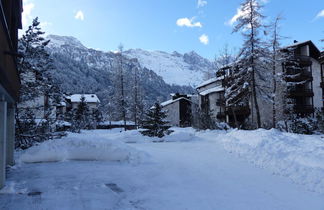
(34, 69)
(253, 51)
(154, 122)
(81, 116)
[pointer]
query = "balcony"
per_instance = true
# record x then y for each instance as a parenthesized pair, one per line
(300, 92)
(293, 75)
(221, 115)
(304, 109)
(220, 102)
(304, 60)
(322, 83)
(239, 111)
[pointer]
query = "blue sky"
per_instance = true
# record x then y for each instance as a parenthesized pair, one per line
(168, 25)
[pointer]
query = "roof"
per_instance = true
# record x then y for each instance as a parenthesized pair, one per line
(166, 103)
(312, 48)
(89, 98)
(212, 80)
(212, 90)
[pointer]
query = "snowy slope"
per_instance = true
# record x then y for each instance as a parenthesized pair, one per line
(175, 68)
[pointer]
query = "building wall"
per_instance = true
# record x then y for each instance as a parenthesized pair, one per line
(92, 106)
(316, 73)
(173, 113)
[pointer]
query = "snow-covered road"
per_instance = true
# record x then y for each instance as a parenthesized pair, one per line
(197, 174)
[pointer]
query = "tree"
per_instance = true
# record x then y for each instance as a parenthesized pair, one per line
(154, 122)
(81, 116)
(120, 90)
(34, 69)
(136, 97)
(253, 50)
(275, 58)
(224, 58)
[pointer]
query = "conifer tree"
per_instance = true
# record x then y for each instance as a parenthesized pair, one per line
(155, 123)
(34, 69)
(81, 116)
(253, 50)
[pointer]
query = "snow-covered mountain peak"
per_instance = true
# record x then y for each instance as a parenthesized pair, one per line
(58, 41)
(175, 68)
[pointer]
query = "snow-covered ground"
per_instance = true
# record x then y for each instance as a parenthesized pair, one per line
(188, 170)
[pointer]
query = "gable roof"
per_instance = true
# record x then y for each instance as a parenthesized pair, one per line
(171, 101)
(210, 81)
(314, 51)
(212, 90)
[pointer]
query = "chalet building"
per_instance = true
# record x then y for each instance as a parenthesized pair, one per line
(307, 96)
(10, 15)
(178, 110)
(73, 101)
(211, 98)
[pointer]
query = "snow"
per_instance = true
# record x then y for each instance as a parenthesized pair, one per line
(188, 170)
(81, 147)
(89, 98)
(121, 122)
(171, 67)
(212, 80)
(299, 157)
(212, 90)
(168, 102)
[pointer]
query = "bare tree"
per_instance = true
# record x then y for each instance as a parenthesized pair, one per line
(121, 90)
(275, 56)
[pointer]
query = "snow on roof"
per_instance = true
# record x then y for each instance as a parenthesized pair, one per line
(212, 90)
(172, 101)
(212, 80)
(297, 44)
(89, 98)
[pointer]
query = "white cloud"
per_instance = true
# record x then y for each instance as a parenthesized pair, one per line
(188, 23)
(26, 15)
(204, 39)
(320, 14)
(201, 3)
(239, 13)
(79, 15)
(45, 24)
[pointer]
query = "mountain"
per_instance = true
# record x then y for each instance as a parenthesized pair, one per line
(180, 69)
(83, 70)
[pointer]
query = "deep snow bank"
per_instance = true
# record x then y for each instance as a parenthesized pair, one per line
(299, 157)
(85, 146)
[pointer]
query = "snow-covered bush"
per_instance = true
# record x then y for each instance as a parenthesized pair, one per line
(300, 125)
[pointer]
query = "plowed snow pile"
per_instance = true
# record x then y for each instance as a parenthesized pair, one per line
(299, 157)
(85, 147)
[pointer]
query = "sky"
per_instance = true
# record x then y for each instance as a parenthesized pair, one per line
(204, 26)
